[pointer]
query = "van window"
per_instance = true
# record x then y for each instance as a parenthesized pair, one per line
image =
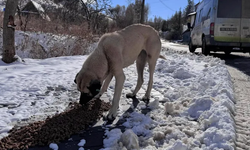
(229, 8)
(245, 9)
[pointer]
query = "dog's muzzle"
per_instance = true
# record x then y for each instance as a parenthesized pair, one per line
(85, 98)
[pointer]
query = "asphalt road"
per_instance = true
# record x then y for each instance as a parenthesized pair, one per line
(240, 61)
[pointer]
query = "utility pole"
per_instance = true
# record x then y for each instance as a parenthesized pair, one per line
(142, 12)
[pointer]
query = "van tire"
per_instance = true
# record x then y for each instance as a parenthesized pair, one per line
(205, 49)
(191, 47)
(227, 52)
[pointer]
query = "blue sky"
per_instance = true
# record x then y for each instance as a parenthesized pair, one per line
(160, 8)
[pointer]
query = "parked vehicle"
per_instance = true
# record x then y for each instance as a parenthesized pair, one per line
(221, 25)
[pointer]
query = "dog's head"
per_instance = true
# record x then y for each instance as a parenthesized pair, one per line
(88, 86)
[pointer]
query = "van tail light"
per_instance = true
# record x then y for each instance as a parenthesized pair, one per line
(212, 28)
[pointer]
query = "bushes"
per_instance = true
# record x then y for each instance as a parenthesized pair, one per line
(173, 35)
(39, 39)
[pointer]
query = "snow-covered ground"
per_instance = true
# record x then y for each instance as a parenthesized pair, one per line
(192, 103)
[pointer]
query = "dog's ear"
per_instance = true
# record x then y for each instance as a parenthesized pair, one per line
(76, 77)
(94, 87)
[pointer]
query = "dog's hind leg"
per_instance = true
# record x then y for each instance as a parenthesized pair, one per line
(105, 85)
(140, 64)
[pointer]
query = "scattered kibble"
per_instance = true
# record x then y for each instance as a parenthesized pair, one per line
(56, 128)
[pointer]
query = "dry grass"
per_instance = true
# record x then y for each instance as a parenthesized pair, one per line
(79, 32)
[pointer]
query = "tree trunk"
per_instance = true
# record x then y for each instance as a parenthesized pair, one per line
(9, 31)
(142, 12)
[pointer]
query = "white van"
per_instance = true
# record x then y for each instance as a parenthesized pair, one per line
(221, 25)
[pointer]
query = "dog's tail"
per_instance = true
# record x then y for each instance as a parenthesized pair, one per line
(162, 57)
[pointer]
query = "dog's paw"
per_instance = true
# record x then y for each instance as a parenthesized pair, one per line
(130, 95)
(111, 115)
(109, 118)
(145, 99)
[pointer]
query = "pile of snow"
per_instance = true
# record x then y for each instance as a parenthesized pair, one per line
(195, 109)
(192, 101)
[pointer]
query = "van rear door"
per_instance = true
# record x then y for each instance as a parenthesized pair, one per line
(228, 21)
(245, 23)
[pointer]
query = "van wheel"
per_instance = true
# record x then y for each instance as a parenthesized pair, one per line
(191, 47)
(205, 49)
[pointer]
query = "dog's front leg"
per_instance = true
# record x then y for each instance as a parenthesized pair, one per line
(120, 78)
(105, 85)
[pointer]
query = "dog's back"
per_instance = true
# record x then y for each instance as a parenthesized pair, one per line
(131, 41)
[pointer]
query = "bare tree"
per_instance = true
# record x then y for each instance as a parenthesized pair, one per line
(130, 14)
(9, 31)
(119, 14)
(92, 9)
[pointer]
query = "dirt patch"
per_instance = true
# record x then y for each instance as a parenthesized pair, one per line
(56, 128)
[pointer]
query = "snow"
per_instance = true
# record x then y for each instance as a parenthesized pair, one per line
(191, 105)
(82, 142)
(129, 139)
(38, 6)
(112, 138)
(53, 146)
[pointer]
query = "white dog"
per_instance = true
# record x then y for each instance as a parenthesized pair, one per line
(115, 51)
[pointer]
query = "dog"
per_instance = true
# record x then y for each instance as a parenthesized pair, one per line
(115, 51)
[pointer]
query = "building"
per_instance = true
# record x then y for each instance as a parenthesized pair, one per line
(33, 8)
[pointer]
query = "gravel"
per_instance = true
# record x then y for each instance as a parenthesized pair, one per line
(57, 128)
